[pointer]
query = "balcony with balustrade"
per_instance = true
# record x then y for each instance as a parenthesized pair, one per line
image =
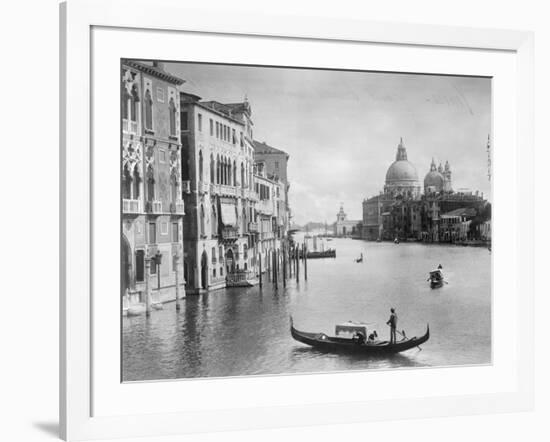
(230, 233)
(129, 126)
(131, 206)
(177, 207)
(154, 207)
(228, 190)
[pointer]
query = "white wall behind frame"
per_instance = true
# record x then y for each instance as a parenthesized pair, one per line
(29, 29)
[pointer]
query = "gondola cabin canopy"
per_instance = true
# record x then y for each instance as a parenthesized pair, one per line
(350, 328)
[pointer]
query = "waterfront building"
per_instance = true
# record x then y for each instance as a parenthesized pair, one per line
(270, 216)
(402, 211)
(152, 205)
(218, 162)
(275, 167)
(345, 226)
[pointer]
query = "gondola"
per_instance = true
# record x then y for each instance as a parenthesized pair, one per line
(335, 344)
(436, 279)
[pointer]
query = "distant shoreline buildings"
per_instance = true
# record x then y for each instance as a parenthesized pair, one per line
(202, 201)
(438, 214)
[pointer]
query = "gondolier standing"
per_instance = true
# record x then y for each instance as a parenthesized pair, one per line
(392, 322)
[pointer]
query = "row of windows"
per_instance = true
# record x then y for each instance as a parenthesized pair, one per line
(263, 191)
(131, 185)
(130, 110)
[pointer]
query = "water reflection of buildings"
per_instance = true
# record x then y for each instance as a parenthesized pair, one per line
(439, 214)
(197, 191)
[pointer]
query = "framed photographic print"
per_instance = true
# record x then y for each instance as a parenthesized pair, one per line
(316, 220)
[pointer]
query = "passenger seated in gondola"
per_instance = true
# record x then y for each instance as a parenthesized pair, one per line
(359, 338)
(373, 336)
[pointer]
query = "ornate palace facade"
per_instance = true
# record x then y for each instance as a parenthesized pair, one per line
(152, 206)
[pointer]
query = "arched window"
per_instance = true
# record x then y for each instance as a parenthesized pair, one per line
(218, 171)
(148, 111)
(234, 173)
(150, 188)
(126, 183)
(172, 110)
(174, 188)
(242, 176)
(125, 100)
(201, 224)
(134, 103)
(213, 255)
(229, 175)
(200, 165)
(244, 221)
(212, 177)
(136, 184)
(214, 221)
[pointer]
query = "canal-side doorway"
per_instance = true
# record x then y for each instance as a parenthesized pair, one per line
(204, 271)
(229, 261)
(126, 267)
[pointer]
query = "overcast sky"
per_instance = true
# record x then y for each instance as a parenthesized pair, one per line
(341, 129)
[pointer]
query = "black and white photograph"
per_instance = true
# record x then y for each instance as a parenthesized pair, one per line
(280, 220)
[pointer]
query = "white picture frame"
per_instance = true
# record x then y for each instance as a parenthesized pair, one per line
(77, 377)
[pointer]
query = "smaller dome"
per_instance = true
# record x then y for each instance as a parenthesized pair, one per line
(434, 179)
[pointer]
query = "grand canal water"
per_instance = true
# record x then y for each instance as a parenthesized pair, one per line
(238, 332)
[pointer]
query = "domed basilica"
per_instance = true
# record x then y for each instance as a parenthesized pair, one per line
(402, 178)
(403, 211)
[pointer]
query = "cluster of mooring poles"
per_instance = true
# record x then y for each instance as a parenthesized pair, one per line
(283, 264)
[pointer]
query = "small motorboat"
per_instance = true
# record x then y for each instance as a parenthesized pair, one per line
(363, 345)
(436, 278)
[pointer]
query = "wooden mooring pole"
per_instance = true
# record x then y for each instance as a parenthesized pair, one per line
(275, 269)
(284, 266)
(297, 262)
(305, 262)
(260, 265)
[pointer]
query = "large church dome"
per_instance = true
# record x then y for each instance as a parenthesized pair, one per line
(401, 177)
(402, 171)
